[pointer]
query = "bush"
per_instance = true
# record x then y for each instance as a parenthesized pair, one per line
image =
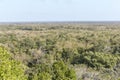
(62, 72)
(57, 71)
(98, 60)
(9, 68)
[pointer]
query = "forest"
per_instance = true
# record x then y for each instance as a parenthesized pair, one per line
(60, 51)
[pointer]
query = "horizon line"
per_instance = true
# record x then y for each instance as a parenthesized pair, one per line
(40, 22)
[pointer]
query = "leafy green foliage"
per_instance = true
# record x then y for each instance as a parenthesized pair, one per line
(62, 72)
(98, 60)
(57, 71)
(9, 68)
(42, 76)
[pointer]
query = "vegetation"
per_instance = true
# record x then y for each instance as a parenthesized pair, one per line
(9, 68)
(59, 51)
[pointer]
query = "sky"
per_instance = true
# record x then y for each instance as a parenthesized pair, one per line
(59, 10)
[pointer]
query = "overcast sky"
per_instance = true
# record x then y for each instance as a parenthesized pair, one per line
(59, 10)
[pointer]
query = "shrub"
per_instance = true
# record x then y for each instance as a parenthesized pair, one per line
(57, 71)
(9, 68)
(98, 60)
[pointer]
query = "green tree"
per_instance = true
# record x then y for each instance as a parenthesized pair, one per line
(62, 72)
(9, 68)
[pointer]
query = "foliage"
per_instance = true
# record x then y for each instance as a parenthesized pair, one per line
(9, 68)
(62, 72)
(49, 50)
(57, 71)
(98, 60)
